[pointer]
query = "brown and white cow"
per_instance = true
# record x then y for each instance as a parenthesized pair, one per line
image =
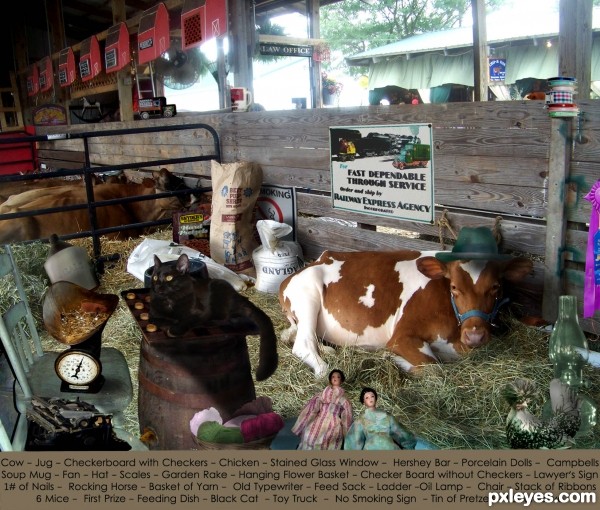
(72, 221)
(399, 300)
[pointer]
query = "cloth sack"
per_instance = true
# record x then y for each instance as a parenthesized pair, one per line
(142, 257)
(235, 187)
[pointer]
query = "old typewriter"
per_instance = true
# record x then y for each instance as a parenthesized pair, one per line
(56, 424)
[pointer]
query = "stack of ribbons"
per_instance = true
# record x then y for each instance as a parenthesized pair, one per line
(560, 97)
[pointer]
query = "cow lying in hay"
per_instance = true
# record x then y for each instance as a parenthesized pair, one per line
(67, 222)
(9, 188)
(422, 306)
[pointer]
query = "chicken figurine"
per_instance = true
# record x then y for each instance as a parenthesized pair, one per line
(526, 431)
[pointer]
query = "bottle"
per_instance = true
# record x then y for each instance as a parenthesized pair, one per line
(568, 351)
(568, 346)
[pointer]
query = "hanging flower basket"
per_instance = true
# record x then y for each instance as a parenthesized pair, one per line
(330, 89)
(328, 97)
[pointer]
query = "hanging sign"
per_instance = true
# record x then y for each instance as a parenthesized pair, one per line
(33, 85)
(383, 170)
(46, 78)
(193, 23)
(216, 19)
(153, 33)
(66, 67)
(285, 50)
(497, 68)
(116, 51)
(90, 61)
(49, 115)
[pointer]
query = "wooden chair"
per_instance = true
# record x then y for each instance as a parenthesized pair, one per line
(5, 442)
(33, 368)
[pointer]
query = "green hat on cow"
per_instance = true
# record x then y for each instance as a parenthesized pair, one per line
(473, 244)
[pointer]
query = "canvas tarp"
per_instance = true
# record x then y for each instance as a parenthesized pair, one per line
(432, 70)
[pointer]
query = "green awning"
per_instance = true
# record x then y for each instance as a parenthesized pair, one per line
(432, 70)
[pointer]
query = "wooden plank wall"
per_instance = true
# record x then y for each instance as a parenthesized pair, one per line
(490, 160)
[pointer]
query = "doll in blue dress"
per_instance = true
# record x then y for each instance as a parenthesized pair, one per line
(375, 429)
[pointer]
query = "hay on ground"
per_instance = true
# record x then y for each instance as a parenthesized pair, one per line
(454, 406)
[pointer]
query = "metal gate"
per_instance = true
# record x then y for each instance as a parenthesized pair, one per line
(88, 171)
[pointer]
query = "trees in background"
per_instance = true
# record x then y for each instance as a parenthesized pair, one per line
(353, 26)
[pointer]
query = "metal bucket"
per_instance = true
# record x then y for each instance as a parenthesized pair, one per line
(71, 264)
(179, 377)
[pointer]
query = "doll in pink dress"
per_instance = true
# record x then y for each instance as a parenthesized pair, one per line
(326, 418)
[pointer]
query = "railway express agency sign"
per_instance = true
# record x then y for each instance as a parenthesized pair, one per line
(383, 170)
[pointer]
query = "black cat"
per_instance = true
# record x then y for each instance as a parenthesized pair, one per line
(180, 302)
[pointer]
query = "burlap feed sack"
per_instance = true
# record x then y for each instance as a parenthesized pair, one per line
(236, 187)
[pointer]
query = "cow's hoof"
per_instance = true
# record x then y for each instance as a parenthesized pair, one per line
(288, 335)
(322, 372)
(404, 365)
(419, 371)
(327, 349)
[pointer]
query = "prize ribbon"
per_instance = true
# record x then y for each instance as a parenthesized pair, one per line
(591, 292)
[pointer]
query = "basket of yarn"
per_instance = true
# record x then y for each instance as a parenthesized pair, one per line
(260, 444)
(242, 432)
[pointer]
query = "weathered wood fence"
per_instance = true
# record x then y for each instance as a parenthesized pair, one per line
(497, 164)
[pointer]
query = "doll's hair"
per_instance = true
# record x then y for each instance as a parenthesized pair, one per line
(336, 371)
(364, 392)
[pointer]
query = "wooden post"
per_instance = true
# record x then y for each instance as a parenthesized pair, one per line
(224, 95)
(312, 11)
(242, 42)
(575, 43)
(56, 26)
(556, 220)
(124, 81)
(480, 57)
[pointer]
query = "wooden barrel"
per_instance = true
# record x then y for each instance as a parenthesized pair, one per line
(180, 378)
(206, 367)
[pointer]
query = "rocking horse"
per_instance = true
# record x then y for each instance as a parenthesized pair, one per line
(87, 104)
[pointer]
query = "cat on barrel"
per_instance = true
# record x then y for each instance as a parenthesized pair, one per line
(180, 302)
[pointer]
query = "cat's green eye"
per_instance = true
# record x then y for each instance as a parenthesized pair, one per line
(155, 277)
(169, 278)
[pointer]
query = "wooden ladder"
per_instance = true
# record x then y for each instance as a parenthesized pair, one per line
(11, 117)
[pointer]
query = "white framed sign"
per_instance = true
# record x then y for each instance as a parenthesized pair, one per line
(383, 170)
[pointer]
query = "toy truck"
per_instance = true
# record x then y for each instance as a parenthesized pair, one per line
(156, 107)
(413, 155)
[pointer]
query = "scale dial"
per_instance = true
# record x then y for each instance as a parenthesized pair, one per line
(77, 368)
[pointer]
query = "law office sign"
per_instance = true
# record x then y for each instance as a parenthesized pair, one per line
(285, 50)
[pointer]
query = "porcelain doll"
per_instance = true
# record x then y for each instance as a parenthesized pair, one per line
(325, 419)
(375, 429)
